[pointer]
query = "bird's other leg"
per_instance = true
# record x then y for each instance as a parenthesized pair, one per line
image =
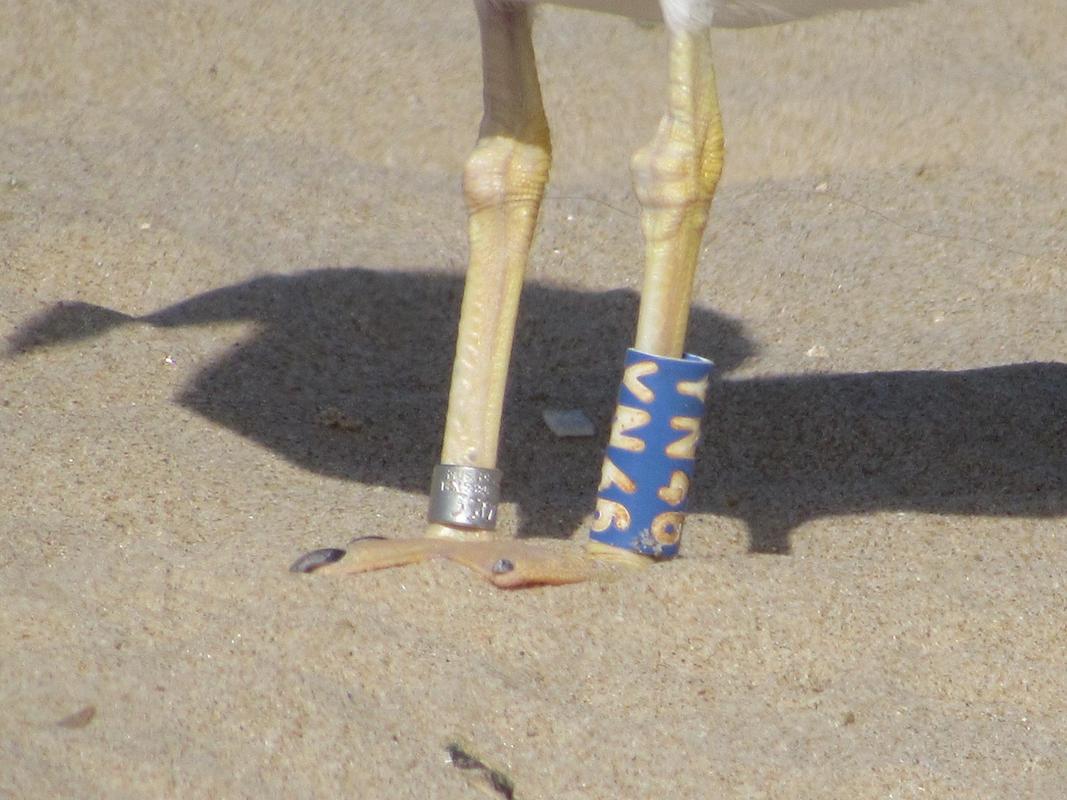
(675, 177)
(503, 184)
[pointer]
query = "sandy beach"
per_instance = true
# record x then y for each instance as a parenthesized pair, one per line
(232, 248)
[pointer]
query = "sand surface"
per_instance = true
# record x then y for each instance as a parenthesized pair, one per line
(231, 256)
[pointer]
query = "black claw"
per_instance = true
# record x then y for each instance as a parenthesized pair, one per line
(309, 562)
(503, 566)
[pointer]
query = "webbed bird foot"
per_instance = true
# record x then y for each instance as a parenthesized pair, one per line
(507, 564)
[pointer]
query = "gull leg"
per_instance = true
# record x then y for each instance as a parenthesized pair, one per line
(503, 184)
(675, 178)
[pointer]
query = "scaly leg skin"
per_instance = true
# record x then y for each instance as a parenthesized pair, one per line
(674, 177)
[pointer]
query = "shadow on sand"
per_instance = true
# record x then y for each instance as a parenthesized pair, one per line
(347, 375)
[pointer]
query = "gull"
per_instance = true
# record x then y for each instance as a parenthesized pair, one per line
(504, 179)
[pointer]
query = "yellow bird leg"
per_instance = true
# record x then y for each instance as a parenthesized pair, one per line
(503, 184)
(675, 177)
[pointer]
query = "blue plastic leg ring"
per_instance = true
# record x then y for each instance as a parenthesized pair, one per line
(648, 465)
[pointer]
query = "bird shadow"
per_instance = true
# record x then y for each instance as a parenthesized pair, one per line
(346, 374)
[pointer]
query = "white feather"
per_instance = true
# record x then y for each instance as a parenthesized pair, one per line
(695, 14)
(750, 13)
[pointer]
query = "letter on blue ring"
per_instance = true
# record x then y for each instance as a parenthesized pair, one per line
(648, 464)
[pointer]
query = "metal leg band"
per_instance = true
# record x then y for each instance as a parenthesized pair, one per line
(648, 464)
(464, 496)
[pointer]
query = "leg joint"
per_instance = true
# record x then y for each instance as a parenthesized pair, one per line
(504, 171)
(677, 169)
